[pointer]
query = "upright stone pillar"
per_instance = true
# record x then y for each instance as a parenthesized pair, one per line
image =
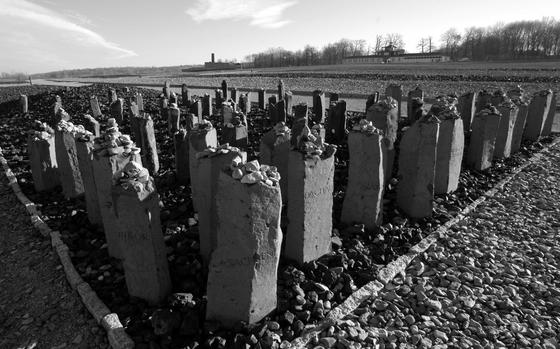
(245, 263)
(57, 104)
(396, 92)
(84, 149)
(467, 109)
(235, 133)
(416, 93)
(538, 111)
(201, 137)
(140, 102)
(67, 160)
(274, 150)
(112, 96)
(173, 119)
(233, 95)
(148, 144)
(197, 108)
(211, 162)
(300, 121)
(363, 201)
(310, 199)
(483, 139)
(450, 147)
(112, 151)
(336, 123)
(23, 104)
(371, 100)
(278, 113)
(206, 105)
(117, 110)
(384, 116)
(416, 111)
(261, 98)
(95, 109)
(281, 90)
(219, 100)
(42, 157)
(224, 91)
(163, 105)
(227, 113)
(333, 97)
(244, 103)
(549, 120)
(288, 100)
(173, 99)
(504, 137)
(91, 125)
(137, 210)
(318, 107)
(167, 89)
(519, 126)
(417, 165)
(185, 101)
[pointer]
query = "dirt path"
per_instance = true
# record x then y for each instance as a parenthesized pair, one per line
(38, 309)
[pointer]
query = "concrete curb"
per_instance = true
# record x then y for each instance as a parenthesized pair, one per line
(116, 335)
(398, 266)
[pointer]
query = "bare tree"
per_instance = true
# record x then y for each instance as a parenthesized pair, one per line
(394, 39)
(422, 44)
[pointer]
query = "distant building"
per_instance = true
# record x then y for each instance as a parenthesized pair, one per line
(213, 65)
(390, 54)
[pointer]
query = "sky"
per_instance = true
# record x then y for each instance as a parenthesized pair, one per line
(46, 35)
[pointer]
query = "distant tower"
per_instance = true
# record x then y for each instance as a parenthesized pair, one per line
(212, 58)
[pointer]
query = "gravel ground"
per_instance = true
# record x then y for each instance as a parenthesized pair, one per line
(37, 307)
(492, 282)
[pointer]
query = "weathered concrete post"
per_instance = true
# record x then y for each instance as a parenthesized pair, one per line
(112, 95)
(173, 119)
(245, 263)
(117, 110)
(336, 123)
(310, 199)
(416, 110)
(363, 201)
(300, 122)
(219, 100)
(371, 100)
(261, 96)
(279, 112)
(224, 91)
(288, 100)
(206, 105)
(23, 104)
(417, 165)
(185, 101)
(235, 132)
(84, 148)
(163, 105)
(274, 150)
(91, 125)
(136, 204)
(42, 157)
(202, 136)
(504, 137)
(95, 109)
(244, 103)
(467, 109)
(416, 93)
(549, 121)
(318, 107)
(538, 111)
(281, 90)
(450, 147)
(396, 92)
(167, 89)
(233, 94)
(211, 162)
(384, 116)
(140, 102)
(67, 159)
(333, 97)
(197, 108)
(173, 99)
(227, 113)
(520, 121)
(148, 144)
(483, 138)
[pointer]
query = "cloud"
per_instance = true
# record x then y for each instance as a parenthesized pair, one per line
(26, 10)
(262, 13)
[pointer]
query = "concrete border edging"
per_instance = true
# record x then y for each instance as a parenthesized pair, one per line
(398, 266)
(116, 335)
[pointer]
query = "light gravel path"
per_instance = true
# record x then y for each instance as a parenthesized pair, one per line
(38, 309)
(492, 282)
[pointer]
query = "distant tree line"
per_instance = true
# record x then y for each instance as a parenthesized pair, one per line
(110, 72)
(19, 77)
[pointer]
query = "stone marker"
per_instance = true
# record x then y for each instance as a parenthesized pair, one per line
(148, 144)
(112, 96)
(134, 112)
(416, 111)
(91, 125)
(95, 109)
(56, 114)
(84, 149)
(140, 102)
(111, 152)
(467, 109)
(206, 105)
(417, 165)
(242, 278)
(173, 119)
(396, 92)
(318, 107)
(310, 198)
(235, 133)
(520, 121)
(185, 100)
(538, 112)
(363, 201)
(300, 121)
(244, 103)
(42, 157)
(289, 102)
(219, 100)
(227, 112)
(281, 90)
(167, 89)
(274, 150)
(202, 136)
(416, 93)
(504, 137)
(261, 96)
(279, 113)
(483, 99)
(483, 138)
(233, 95)
(336, 123)
(371, 100)
(23, 104)
(137, 210)
(163, 105)
(211, 162)
(190, 121)
(549, 119)
(117, 110)
(333, 97)
(450, 147)
(384, 116)
(197, 109)
(224, 92)
(67, 159)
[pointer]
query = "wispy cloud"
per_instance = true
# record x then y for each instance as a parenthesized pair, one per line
(261, 13)
(26, 10)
